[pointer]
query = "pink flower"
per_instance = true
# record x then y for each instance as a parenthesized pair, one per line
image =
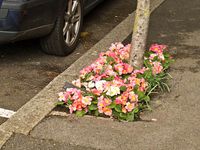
(107, 111)
(86, 100)
(78, 105)
(129, 106)
(133, 97)
(122, 99)
(71, 109)
(118, 82)
(102, 105)
(152, 56)
(127, 68)
(118, 100)
(124, 53)
(77, 83)
(114, 56)
(103, 102)
(85, 71)
(96, 92)
(141, 71)
(157, 67)
(109, 71)
(123, 68)
(77, 95)
(143, 85)
(116, 46)
(157, 48)
(119, 68)
(124, 110)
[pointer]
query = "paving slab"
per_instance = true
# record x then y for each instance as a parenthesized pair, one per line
(5, 135)
(22, 142)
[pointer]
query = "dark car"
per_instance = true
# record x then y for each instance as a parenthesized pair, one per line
(57, 22)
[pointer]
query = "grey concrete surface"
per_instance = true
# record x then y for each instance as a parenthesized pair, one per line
(5, 135)
(175, 23)
(25, 70)
(29, 143)
(177, 127)
(2, 120)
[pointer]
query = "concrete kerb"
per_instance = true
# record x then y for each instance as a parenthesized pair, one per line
(29, 115)
(5, 135)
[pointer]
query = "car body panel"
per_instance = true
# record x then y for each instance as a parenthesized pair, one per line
(22, 19)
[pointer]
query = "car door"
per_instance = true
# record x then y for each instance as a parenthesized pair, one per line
(89, 4)
(1, 3)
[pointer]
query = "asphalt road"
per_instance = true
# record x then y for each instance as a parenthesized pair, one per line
(25, 69)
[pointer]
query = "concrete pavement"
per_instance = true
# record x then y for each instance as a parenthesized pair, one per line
(175, 23)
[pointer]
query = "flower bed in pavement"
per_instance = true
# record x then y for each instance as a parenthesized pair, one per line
(110, 87)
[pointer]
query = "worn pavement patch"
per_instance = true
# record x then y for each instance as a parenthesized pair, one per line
(29, 143)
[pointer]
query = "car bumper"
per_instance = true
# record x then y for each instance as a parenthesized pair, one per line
(6, 36)
(11, 13)
(19, 19)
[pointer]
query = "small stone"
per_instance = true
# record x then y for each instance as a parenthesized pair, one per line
(154, 120)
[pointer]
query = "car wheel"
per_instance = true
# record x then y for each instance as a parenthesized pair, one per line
(64, 37)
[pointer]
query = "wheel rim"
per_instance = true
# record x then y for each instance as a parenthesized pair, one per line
(72, 20)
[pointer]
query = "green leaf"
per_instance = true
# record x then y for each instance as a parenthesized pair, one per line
(110, 60)
(125, 76)
(95, 102)
(87, 76)
(60, 103)
(118, 108)
(92, 107)
(69, 102)
(80, 113)
(146, 98)
(136, 110)
(123, 116)
(136, 88)
(115, 113)
(88, 94)
(141, 95)
(112, 105)
(123, 88)
(130, 117)
(109, 78)
(96, 113)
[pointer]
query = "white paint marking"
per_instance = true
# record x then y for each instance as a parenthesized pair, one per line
(6, 113)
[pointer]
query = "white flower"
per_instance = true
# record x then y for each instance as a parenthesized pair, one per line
(61, 97)
(77, 83)
(100, 85)
(85, 84)
(113, 90)
(161, 56)
(151, 57)
(91, 84)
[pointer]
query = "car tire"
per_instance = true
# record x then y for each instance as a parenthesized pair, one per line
(64, 38)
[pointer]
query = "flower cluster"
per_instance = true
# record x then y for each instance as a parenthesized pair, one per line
(111, 87)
